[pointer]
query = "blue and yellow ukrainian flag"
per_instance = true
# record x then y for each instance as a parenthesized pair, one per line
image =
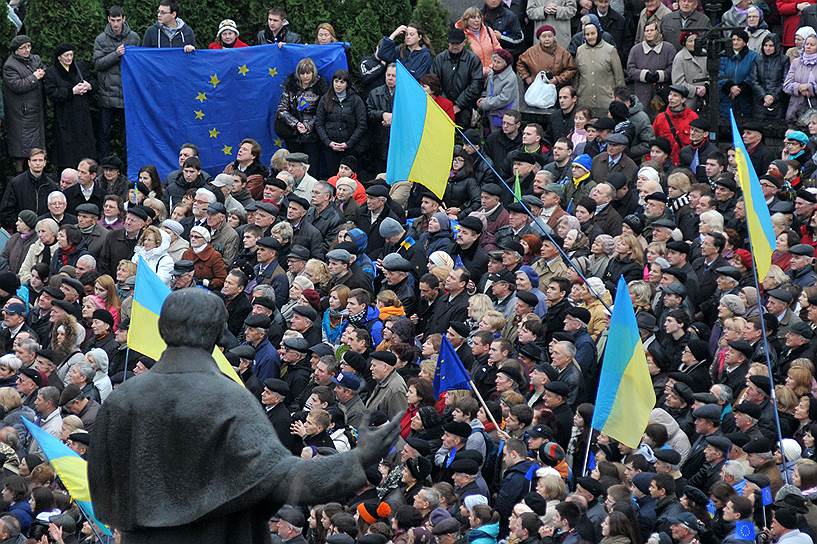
(421, 141)
(71, 469)
(626, 397)
(761, 233)
(149, 294)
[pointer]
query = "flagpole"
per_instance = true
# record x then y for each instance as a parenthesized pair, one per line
(536, 220)
(587, 451)
(482, 402)
(125, 373)
(764, 333)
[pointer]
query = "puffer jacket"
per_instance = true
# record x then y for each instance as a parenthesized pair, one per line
(108, 67)
(462, 192)
(482, 45)
(158, 258)
(346, 123)
(483, 535)
(501, 95)
(298, 105)
(677, 439)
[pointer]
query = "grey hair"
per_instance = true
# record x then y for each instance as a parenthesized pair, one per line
(735, 470)
(10, 360)
(608, 245)
(55, 195)
(206, 193)
(724, 394)
(89, 260)
(432, 496)
(86, 370)
(569, 346)
(48, 223)
(29, 345)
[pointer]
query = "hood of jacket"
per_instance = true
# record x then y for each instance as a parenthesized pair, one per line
(777, 49)
(156, 252)
(359, 238)
(490, 530)
(372, 314)
(637, 106)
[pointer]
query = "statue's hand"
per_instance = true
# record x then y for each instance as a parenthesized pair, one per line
(373, 444)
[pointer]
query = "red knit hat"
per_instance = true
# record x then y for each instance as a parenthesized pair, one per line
(544, 28)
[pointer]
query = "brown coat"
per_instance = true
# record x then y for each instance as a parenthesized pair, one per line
(557, 61)
(208, 265)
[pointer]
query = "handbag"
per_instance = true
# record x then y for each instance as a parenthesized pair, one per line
(541, 94)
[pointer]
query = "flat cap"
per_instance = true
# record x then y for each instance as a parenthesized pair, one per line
(802, 249)
(465, 466)
(711, 412)
(458, 428)
(302, 158)
(296, 343)
(558, 388)
(758, 445)
(720, 442)
(378, 190)
(384, 356)
(729, 271)
(340, 255)
(748, 408)
(257, 321)
(89, 208)
(306, 311)
(667, 455)
(277, 386)
(780, 294)
(288, 513)
(528, 298)
(394, 262)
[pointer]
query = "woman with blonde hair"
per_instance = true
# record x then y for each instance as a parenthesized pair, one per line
(493, 322)
(482, 40)
(478, 305)
(70, 424)
(732, 330)
(317, 272)
(105, 288)
(12, 405)
(787, 401)
(627, 262)
(152, 246)
(41, 250)
(298, 106)
(325, 34)
(799, 380)
(640, 295)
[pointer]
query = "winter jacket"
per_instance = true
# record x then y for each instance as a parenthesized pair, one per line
(643, 60)
(674, 23)
(680, 122)
(800, 72)
(157, 258)
(379, 101)
(298, 105)
(513, 489)
(686, 69)
(769, 73)
(158, 35)
(487, 534)
(565, 10)
(462, 192)
(736, 70)
(60, 257)
(24, 192)
(24, 107)
(501, 94)
(482, 44)
(36, 254)
(557, 61)
(285, 35)
(73, 127)
(208, 265)
(618, 267)
(642, 129)
(757, 37)
(117, 246)
(506, 24)
(236, 44)
(460, 77)
(346, 123)
(388, 396)
(599, 73)
(107, 64)
(22, 511)
(15, 250)
(646, 17)
(176, 186)
(791, 18)
(418, 62)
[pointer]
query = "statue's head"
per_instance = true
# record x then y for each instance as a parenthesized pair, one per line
(192, 317)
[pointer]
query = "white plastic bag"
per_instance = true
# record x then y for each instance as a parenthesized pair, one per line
(541, 94)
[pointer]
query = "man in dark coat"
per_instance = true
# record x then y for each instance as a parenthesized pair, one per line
(93, 234)
(460, 73)
(372, 214)
(29, 190)
(379, 106)
(119, 244)
(272, 398)
(233, 473)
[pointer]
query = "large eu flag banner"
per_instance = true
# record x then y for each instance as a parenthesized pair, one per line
(211, 98)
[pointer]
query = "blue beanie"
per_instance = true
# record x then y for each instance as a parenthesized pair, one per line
(584, 161)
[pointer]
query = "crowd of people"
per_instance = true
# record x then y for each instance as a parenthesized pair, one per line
(339, 288)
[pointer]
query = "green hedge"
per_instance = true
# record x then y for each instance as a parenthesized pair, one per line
(360, 22)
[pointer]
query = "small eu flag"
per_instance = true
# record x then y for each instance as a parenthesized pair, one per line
(454, 224)
(450, 373)
(745, 530)
(710, 507)
(766, 496)
(591, 461)
(458, 262)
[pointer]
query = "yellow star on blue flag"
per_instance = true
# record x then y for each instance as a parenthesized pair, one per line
(225, 98)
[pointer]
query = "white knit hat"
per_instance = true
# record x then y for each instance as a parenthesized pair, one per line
(791, 449)
(227, 24)
(203, 232)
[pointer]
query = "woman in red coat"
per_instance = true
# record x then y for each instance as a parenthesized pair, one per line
(431, 84)
(208, 265)
(790, 11)
(227, 36)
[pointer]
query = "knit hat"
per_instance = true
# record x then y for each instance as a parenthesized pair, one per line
(740, 33)
(441, 259)
(544, 28)
(791, 449)
(442, 219)
(28, 217)
(390, 227)
(584, 161)
(346, 182)
(173, 226)
(649, 172)
(429, 417)
(505, 55)
(533, 277)
(642, 481)
(201, 231)
(745, 257)
(226, 24)
(787, 517)
(18, 41)
(303, 282)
